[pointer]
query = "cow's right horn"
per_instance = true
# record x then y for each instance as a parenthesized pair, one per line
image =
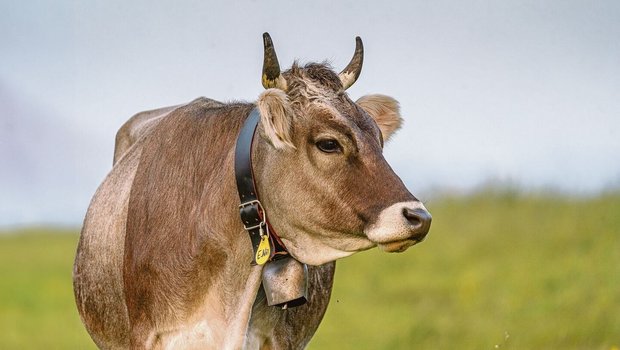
(352, 71)
(271, 68)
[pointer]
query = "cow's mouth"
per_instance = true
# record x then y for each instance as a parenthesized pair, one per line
(398, 246)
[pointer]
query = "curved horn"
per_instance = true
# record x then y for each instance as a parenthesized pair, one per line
(349, 75)
(271, 68)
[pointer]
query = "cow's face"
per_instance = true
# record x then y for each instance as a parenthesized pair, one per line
(321, 174)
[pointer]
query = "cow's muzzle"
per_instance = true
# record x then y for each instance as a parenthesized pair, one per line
(400, 226)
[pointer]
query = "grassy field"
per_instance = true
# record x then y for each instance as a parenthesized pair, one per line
(498, 270)
(37, 310)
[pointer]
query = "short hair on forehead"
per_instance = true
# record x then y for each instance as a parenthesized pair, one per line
(311, 82)
(317, 86)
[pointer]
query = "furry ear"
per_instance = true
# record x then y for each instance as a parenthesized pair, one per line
(276, 118)
(384, 110)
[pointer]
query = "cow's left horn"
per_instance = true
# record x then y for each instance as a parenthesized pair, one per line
(349, 75)
(271, 68)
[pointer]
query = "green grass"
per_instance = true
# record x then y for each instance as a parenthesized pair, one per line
(498, 270)
(37, 309)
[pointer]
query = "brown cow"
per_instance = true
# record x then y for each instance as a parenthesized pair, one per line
(163, 258)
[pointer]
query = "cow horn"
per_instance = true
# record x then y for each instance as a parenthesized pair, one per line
(271, 68)
(349, 75)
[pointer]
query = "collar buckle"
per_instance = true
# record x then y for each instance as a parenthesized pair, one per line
(260, 211)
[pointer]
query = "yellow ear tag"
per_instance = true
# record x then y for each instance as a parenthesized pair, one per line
(264, 250)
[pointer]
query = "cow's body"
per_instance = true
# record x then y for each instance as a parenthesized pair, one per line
(163, 260)
(99, 264)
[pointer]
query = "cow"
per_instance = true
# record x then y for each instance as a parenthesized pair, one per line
(164, 260)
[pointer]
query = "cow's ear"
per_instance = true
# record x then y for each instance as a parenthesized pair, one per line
(276, 118)
(384, 110)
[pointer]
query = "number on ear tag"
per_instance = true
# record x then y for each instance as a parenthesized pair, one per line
(264, 250)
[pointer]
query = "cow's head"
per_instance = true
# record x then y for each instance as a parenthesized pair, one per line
(320, 170)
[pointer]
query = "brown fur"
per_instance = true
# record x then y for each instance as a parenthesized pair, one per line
(190, 150)
(162, 248)
(141, 123)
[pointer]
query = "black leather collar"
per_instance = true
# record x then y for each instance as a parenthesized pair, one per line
(253, 214)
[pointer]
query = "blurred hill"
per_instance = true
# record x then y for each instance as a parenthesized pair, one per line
(42, 161)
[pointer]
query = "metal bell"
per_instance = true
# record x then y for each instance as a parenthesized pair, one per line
(285, 282)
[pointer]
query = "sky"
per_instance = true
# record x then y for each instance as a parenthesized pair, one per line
(525, 93)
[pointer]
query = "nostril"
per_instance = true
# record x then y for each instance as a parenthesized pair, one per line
(410, 215)
(419, 219)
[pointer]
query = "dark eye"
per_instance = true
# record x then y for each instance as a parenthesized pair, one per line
(328, 146)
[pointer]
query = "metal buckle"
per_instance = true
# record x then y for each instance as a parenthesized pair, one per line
(262, 210)
(255, 201)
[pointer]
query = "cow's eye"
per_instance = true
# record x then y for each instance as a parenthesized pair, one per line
(328, 146)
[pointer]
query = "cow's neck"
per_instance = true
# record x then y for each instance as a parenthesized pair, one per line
(238, 292)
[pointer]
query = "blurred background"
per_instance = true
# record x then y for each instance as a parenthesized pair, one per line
(511, 138)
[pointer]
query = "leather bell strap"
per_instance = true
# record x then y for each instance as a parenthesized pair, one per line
(266, 244)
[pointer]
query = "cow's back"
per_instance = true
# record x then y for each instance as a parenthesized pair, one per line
(141, 123)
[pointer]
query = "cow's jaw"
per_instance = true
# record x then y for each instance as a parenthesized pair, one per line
(397, 246)
(397, 227)
(316, 251)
